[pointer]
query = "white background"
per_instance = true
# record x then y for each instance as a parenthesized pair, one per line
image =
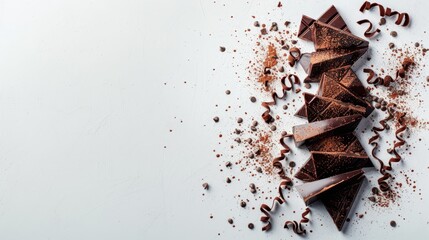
(89, 91)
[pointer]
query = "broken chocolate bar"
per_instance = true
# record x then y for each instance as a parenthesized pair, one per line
(326, 37)
(331, 17)
(325, 164)
(321, 108)
(339, 202)
(316, 63)
(324, 128)
(346, 142)
(332, 89)
(312, 191)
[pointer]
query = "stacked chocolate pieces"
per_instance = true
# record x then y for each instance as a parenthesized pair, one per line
(334, 172)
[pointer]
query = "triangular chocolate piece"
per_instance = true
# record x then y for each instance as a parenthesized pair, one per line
(312, 191)
(346, 77)
(339, 202)
(331, 17)
(325, 164)
(322, 61)
(320, 108)
(319, 129)
(332, 89)
(326, 37)
(346, 142)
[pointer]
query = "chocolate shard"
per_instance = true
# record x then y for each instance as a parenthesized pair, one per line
(345, 142)
(312, 191)
(346, 77)
(331, 17)
(328, 127)
(326, 164)
(320, 108)
(332, 89)
(322, 61)
(340, 201)
(326, 37)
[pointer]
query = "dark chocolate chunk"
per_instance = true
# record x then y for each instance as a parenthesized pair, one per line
(346, 77)
(327, 164)
(328, 127)
(312, 191)
(326, 37)
(346, 142)
(321, 108)
(332, 89)
(331, 17)
(339, 202)
(316, 63)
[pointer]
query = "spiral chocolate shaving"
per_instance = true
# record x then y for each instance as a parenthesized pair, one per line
(296, 227)
(402, 18)
(304, 216)
(293, 79)
(266, 210)
(277, 161)
(368, 32)
(397, 158)
(294, 56)
(400, 73)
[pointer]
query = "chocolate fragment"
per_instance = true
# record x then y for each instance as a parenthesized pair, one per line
(328, 127)
(326, 37)
(348, 78)
(331, 17)
(312, 191)
(326, 164)
(340, 201)
(320, 108)
(346, 142)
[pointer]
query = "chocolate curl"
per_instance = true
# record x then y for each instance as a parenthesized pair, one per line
(296, 227)
(304, 216)
(293, 79)
(277, 161)
(294, 56)
(403, 127)
(373, 79)
(266, 210)
(402, 18)
(368, 33)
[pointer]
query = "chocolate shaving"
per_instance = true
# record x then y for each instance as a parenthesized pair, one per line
(294, 56)
(400, 73)
(402, 18)
(368, 33)
(266, 210)
(403, 127)
(277, 161)
(293, 79)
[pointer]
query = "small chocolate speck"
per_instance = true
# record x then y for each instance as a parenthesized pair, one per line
(252, 185)
(391, 45)
(259, 169)
(393, 34)
(228, 164)
(287, 23)
(382, 21)
(253, 190)
(216, 119)
(252, 99)
(273, 128)
(256, 24)
(251, 226)
(294, 41)
(230, 221)
(392, 223)
(239, 120)
(253, 128)
(264, 31)
(206, 186)
(377, 105)
(228, 92)
(243, 204)
(251, 155)
(417, 44)
(285, 107)
(255, 123)
(307, 85)
(222, 49)
(228, 180)
(292, 164)
(427, 78)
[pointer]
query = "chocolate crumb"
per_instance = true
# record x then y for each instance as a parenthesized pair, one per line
(382, 21)
(307, 85)
(256, 24)
(252, 185)
(228, 180)
(377, 105)
(259, 169)
(273, 128)
(393, 34)
(230, 221)
(392, 223)
(252, 99)
(372, 199)
(417, 44)
(285, 107)
(243, 204)
(251, 226)
(294, 41)
(292, 164)
(391, 45)
(239, 120)
(287, 23)
(255, 123)
(264, 31)
(228, 164)
(206, 186)
(427, 78)
(228, 92)
(216, 119)
(281, 69)
(222, 49)
(253, 190)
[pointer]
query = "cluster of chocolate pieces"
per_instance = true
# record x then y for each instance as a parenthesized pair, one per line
(335, 170)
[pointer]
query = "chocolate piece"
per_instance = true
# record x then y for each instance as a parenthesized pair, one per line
(332, 89)
(328, 127)
(319, 62)
(346, 77)
(321, 108)
(340, 201)
(323, 164)
(346, 142)
(326, 37)
(331, 17)
(312, 191)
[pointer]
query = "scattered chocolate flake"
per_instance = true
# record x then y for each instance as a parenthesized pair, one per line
(243, 204)
(216, 119)
(251, 226)
(256, 24)
(228, 180)
(307, 85)
(228, 92)
(392, 223)
(252, 99)
(222, 49)
(391, 45)
(382, 21)
(239, 120)
(393, 34)
(206, 186)
(230, 221)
